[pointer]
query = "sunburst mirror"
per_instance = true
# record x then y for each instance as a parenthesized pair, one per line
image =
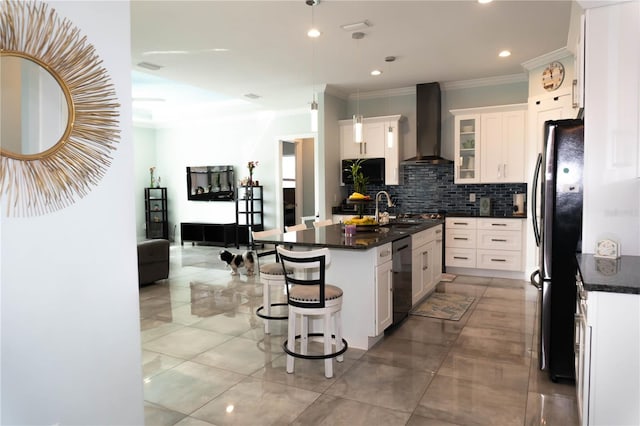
(58, 113)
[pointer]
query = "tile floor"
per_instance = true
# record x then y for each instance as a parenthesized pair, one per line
(207, 361)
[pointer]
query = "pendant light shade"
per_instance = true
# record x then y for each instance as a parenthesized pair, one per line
(390, 137)
(314, 116)
(358, 137)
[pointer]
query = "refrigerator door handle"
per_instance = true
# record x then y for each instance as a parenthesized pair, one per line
(534, 204)
(537, 284)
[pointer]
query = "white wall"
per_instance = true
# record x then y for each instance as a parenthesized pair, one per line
(224, 141)
(612, 134)
(70, 336)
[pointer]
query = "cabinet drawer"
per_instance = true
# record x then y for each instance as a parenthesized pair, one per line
(498, 259)
(461, 238)
(500, 224)
(421, 238)
(383, 254)
(460, 223)
(465, 258)
(499, 240)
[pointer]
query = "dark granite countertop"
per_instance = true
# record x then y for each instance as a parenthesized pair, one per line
(612, 275)
(333, 236)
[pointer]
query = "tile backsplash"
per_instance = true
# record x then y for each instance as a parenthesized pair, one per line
(430, 188)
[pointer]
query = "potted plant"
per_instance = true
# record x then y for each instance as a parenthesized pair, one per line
(359, 181)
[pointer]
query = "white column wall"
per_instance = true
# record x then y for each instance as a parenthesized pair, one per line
(70, 339)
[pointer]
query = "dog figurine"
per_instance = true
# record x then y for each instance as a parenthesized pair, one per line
(235, 261)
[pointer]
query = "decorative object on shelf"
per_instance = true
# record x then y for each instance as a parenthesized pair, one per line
(607, 249)
(251, 165)
(53, 177)
(152, 180)
(485, 206)
(553, 76)
(158, 182)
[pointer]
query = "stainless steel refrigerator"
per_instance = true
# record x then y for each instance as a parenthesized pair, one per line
(558, 234)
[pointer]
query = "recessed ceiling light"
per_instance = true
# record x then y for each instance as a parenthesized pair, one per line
(376, 72)
(252, 96)
(313, 33)
(504, 54)
(484, 1)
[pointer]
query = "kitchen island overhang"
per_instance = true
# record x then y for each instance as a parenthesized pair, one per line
(361, 267)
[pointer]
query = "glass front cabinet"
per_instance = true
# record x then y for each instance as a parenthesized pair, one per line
(156, 215)
(467, 131)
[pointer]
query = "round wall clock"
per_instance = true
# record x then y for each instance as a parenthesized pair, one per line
(553, 76)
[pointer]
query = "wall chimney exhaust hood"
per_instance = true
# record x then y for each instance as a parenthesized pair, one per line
(428, 126)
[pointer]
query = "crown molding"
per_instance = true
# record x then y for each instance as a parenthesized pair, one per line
(547, 58)
(488, 81)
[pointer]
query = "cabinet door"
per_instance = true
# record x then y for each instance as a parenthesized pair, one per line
(375, 137)
(513, 147)
(384, 297)
(427, 267)
(349, 148)
(491, 146)
(436, 259)
(417, 287)
(467, 131)
(502, 146)
(392, 153)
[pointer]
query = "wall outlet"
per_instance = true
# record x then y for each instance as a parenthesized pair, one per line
(472, 198)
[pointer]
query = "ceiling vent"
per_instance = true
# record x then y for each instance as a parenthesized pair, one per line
(149, 66)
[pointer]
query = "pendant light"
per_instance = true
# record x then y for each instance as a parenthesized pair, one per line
(390, 137)
(313, 33)
(358, 136)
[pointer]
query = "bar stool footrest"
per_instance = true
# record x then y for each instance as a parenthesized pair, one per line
(323, 356)
(261, 315)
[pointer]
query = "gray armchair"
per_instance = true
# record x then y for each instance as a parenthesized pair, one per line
(153, 261)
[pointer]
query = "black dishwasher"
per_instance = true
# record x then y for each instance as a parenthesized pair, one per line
(401, 268)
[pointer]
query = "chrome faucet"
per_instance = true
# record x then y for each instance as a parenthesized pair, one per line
(389, 203)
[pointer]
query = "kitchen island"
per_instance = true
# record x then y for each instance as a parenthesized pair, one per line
(361, 265)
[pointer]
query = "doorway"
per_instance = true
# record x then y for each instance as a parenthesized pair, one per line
(297, 164)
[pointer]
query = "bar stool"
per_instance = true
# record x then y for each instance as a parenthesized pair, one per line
(309, 296)
(271, 275)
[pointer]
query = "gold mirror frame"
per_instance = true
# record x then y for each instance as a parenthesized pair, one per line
(35, 184)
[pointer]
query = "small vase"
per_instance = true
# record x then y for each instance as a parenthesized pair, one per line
(152, 181)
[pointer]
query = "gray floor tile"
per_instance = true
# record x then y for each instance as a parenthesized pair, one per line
(383, 385)
(470, 403)
(333, 411)
(257, 402)
(207, 361)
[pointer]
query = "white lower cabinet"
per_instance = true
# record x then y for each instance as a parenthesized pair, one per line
(426, 262)
(607, 358)
(384, 290)
(484, 243)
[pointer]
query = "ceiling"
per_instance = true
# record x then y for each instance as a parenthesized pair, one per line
(266, 50)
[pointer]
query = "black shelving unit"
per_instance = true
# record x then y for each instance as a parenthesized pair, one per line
(156, 214)
(249, 213)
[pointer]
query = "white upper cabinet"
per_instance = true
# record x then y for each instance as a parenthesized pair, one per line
(490, 144)
(467, 132)
(381, 140)
(502, 142)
